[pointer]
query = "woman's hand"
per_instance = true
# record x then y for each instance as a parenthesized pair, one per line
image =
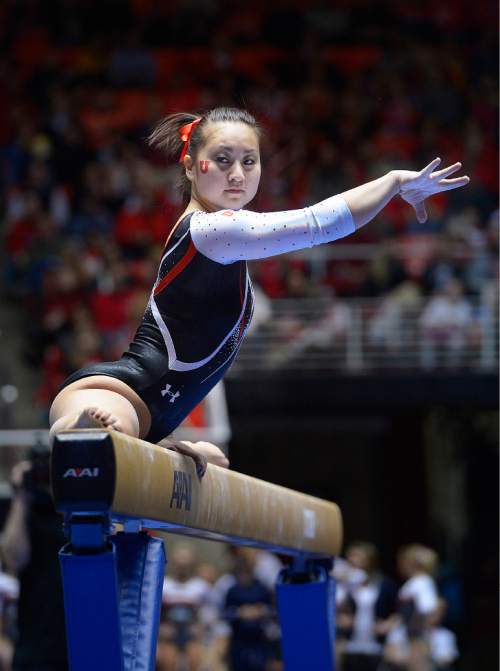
(212, 453)
(201, 452)
(415, 187)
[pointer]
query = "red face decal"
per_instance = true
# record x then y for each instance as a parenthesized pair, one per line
(204, 166)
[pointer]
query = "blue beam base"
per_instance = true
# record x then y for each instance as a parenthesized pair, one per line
(306, 608)
(141, 569)
(112, 601)
(93, 631)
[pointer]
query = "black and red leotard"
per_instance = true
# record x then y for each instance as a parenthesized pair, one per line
(202, 302)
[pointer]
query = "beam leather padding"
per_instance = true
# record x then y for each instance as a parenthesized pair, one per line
(161, 488)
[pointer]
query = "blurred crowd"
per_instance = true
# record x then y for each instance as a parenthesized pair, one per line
(229, 621)
(344, 91)
(216, 619)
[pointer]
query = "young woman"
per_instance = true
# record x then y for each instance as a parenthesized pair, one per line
(366, 612)
(201, 303)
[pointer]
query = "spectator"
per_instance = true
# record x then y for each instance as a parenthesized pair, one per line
(266, 570)
(248, 609)
(445, 322)
(215, 629)
(419, 610)
(441, 267)
(388, 327)
(329, 330)
(366, 610)
(385, 273)
(181, 632)
(9, 594)
(30, 543)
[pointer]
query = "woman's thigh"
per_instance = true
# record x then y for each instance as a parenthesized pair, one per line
(105, 393)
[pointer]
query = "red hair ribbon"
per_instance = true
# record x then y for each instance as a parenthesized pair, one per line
(185, 133)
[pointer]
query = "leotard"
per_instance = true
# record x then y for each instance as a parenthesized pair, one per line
(202, 302)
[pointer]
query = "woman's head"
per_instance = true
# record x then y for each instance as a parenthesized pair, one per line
(415, 559)
(220, 156)
(363, 556)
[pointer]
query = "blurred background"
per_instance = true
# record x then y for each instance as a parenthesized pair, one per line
(370, 374)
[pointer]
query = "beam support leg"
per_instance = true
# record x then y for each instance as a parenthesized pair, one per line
(141, 569)
(306, 606)
(112, 598)
(90, 587)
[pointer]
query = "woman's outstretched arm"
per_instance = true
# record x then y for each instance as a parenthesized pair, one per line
(228, 236)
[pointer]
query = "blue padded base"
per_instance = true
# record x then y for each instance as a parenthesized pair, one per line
(93, 628)
(307, 619)
(140, 568)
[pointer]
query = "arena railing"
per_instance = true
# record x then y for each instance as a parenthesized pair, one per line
(349, 336)
(368, 335)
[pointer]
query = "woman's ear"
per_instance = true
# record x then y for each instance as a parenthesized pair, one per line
(189, 167)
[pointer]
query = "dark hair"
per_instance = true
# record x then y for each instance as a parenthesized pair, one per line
(166, 137)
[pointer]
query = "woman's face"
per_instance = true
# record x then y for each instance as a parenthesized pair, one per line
(226, 171)
(358, 558)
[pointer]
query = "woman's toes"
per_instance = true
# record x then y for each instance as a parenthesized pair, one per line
(116, 424)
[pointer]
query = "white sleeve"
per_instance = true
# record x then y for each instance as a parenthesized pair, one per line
(422, 589)
(426, 598)
(236, 235)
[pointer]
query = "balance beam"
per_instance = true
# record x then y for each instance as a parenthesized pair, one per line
(96, 471)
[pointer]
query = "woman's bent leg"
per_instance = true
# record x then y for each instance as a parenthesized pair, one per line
(97, 401)
(88, 408)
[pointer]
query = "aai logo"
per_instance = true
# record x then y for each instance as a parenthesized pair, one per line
(181, 491)
(82, 473)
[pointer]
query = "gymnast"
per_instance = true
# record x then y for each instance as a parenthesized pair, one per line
(201, 303)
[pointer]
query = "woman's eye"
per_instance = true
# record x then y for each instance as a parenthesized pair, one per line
(222, 159)
(250, 161)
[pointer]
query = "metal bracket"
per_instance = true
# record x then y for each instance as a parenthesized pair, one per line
(87, 534)
(132, 526)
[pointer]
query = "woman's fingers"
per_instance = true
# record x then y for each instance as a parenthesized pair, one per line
(432, 187)
(455, 183)
(421, 212)
(440, 174)
(201, 463)
(429, 168)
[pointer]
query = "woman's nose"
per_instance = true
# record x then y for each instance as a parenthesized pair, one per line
(236, 173)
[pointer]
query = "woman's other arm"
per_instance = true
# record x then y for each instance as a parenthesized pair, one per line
(228, 236)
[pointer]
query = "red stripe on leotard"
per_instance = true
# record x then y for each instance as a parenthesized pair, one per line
(177, 269)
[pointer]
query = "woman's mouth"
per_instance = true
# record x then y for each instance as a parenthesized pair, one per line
(235, 190)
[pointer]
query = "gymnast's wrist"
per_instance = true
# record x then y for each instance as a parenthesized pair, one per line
(395, 177)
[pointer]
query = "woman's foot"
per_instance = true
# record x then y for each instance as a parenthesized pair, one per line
(95, 418)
